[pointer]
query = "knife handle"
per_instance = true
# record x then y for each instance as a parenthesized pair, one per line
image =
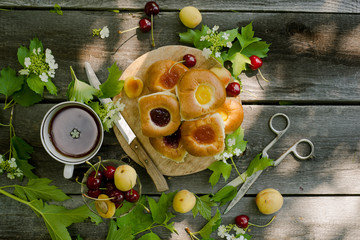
(157, 177)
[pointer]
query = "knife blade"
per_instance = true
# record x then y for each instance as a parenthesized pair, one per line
(130, 137)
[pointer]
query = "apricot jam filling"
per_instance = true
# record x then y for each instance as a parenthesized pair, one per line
(203, 94)
(204, 134)
(224, 115)
(169, 79)
(160, 116)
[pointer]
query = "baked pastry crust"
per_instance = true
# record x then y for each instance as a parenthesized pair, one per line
(190, 108)
(158, 78)
(165, 101)
(205, 136)
(232, 113)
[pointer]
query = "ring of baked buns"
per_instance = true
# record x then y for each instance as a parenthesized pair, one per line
(200, 92)
(163, 75)
(204, 136)
(170, 146)
(232, 113)
(159, 114)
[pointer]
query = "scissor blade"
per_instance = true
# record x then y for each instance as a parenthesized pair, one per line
(244, 188)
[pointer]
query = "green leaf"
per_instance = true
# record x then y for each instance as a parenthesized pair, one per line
(201, 44)
(211, 226)
(236, 47)
(112, 86)
(258, 164)
(239, 62)
(159, 210)
(34, 82)
(112, 230)
(40, 189)
(219, 168)
(246, 37)
(22, 53)
(225, 195)
(80, 91)
(188, 36)
(58, 218)
(57, 9)
(232, 35)
(26, 97)
(22, 151)
(78, 237)
(50, 86)
(259, 49)
(240, 144)
(203, 206)
(123, 234)
(9, 82)
(35, 44)
(137, 220)
(26, 167)
(149, 236)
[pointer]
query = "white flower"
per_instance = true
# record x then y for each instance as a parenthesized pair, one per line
(227, 155)
(231, 142)
(208, 31)
(18, 173)
(24, 72)
(34, 51)
(1, 159)
(229, 44)
(226, 36)
(217, 54)
(10, 175)
(221, 231)
(51, 73)
(38, 51)
(27, 62)
(206, 52)
(238, 230)
(52, 64)
(48, 56)
(237, 152)
(44, 77)
(202, 38)
(241, 238)
(104, 33)
(215, 28)
(12, 163)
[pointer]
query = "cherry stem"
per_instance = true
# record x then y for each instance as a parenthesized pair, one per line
(261, 226)
(262, 76)
(152, 31)
(175, 64)
(192, 236)
(87, 162)
(77, 180)
(120, 32)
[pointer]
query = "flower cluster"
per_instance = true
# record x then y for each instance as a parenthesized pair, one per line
(10, 167)
(230, 150)
(103, 33)
(218, 41)
(224, 232)
(41, 64)
(108, 113)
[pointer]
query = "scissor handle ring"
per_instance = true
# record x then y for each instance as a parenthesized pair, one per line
(295, 152)
(287, 123)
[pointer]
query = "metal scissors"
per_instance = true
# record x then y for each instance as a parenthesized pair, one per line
(250, 180)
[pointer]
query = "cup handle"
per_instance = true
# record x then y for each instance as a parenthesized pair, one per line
(68, 170)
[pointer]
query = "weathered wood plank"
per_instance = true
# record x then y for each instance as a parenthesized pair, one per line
(344, 6)
(333, 130)
(313, 58)
(300, 218)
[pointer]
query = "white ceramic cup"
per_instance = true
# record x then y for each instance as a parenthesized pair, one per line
(49, 146)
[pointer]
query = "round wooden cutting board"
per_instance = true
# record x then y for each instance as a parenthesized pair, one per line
(138, 69)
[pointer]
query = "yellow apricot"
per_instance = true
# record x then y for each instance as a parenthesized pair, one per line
(184, 201)
(133, 87)
(190, 16)
(104, 206)
(269, 201)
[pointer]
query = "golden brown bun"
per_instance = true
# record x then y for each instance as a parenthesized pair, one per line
(159, 114)
(205, 136)
(158, 78)
(187, 88)
(232, 113)
(171, 146)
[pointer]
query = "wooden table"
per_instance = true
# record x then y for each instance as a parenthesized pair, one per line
(314, 63)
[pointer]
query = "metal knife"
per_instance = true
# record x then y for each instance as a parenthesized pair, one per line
(130, 137)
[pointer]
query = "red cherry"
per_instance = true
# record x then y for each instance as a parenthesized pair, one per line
(242, 221)
(151, 8)
(117, 195)
(118, 205)
(145, 24)
(99, 174)
(132, 195)
(109, 186)
(93, 182)
(109, 172)
(190, 60)
(256, 62)
(233, 89)
(94, 193)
